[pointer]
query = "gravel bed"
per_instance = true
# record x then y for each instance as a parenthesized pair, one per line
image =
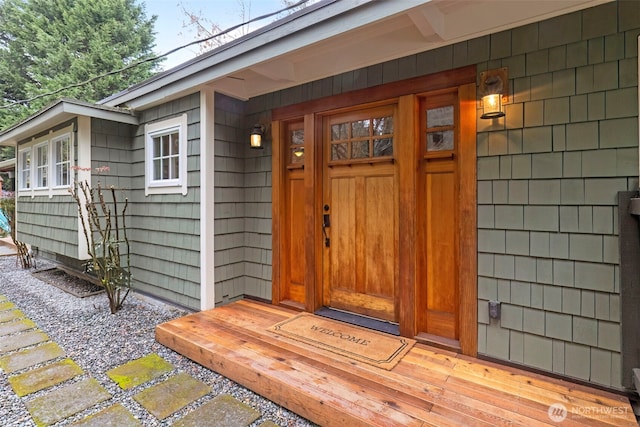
(74, 285)
(98, 341)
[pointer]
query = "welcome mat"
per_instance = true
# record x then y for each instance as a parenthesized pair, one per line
(364, 345)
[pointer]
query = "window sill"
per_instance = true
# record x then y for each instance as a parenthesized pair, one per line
(44, 192)
(165, 189)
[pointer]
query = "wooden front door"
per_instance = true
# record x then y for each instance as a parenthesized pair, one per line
(374, 206)
(360, 212)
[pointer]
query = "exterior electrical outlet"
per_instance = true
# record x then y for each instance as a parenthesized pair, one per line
(494, 309)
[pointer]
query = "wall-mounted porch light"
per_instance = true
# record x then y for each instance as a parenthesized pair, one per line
(257, 136)
(493, 87)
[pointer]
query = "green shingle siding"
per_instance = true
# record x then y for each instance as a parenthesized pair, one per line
(49, 224)
(164, 227)
(579, 94)
(230, 179)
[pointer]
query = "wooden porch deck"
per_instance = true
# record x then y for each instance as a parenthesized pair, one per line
(428, 387)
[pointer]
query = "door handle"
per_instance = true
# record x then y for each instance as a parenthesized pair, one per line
(326, 223)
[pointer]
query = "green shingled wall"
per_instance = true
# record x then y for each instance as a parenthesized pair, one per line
(548, 177)
(50, 224)
(231, 246)
(163, 228)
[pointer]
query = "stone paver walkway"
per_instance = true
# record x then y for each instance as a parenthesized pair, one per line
(34, 364)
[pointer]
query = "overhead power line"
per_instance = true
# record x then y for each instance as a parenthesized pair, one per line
(152, 59)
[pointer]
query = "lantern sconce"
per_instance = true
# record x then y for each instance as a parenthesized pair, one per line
(494, 87)
(257, 136)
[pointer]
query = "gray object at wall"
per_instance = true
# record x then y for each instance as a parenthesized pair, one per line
(629, 220)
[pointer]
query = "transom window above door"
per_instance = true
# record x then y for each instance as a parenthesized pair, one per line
(362, 139)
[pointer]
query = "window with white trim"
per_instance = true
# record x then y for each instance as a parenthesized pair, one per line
(62, 161)
(45, 164)
(41, 158)
(166, 156)
(24, 169)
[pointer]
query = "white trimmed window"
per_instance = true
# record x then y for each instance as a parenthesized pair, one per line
(166, 156)
(41, 158)
(62, 161)
(45, 164)
(24, 168)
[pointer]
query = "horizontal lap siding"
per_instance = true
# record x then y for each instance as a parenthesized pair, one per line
(164, 228)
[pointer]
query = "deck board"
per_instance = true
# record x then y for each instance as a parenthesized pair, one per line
(429, 387)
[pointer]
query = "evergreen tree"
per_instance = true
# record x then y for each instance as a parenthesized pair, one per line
(49, 44)
(7, 153)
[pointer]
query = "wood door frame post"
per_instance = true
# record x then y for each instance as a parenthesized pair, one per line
(468, 230)
(408, 152)
(277, 210)
(313, 198)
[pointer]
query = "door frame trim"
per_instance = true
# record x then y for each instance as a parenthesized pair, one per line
(404, 92)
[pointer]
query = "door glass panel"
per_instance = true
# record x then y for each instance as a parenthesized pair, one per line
(360, 150)
(383, 126)
(360, 128)
(440, 141)
(383, 147)
(297, 155)
(295, 141)
(362, 138)
(297, 136)
(340, 151)
(442, 116)
(440, 129)
(340, 132)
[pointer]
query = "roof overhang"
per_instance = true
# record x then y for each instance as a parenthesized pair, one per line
(8, 165)
(332, 37)
(59, 112)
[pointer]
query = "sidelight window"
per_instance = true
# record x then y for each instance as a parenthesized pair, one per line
(440, 129)
(295, 139)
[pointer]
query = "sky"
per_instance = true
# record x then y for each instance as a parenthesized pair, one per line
(172, 32)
